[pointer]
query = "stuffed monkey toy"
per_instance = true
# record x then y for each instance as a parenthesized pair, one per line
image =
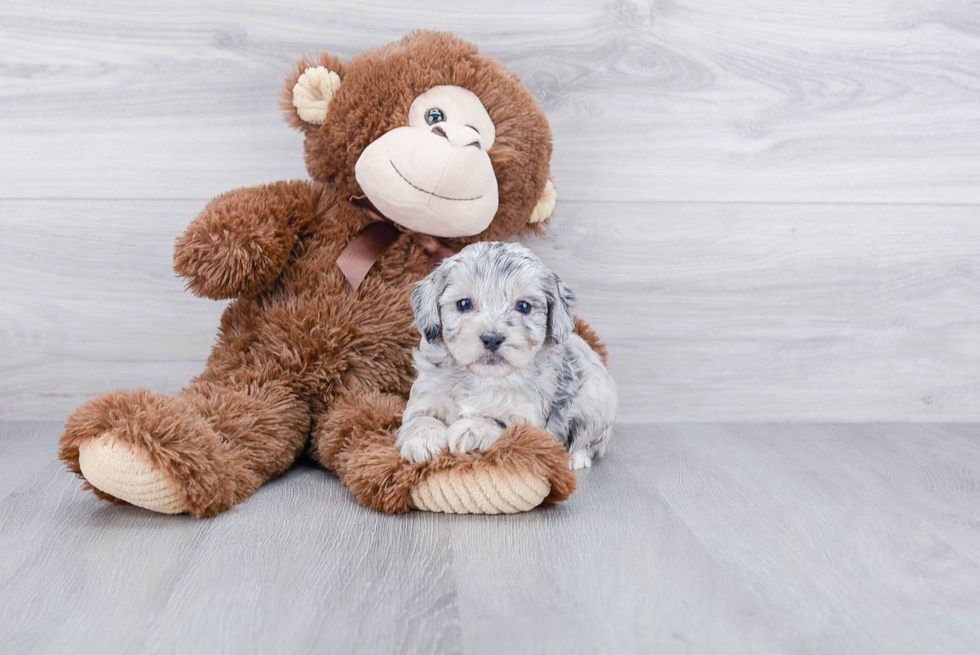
(414, 150)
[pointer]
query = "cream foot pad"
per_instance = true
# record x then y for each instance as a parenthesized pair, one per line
(120, 471)
(479, 492)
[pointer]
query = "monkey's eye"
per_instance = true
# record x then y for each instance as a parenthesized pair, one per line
(464, 305)
(434, 116)
(523, 307)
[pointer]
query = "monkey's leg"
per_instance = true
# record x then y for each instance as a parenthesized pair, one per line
(200, 451)
(355, 438)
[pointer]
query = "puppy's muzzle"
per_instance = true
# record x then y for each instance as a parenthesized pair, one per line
(492, 340)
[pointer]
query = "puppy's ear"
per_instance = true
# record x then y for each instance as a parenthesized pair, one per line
(425, 304)
(561, 323)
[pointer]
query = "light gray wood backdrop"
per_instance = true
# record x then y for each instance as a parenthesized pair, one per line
(770, 210)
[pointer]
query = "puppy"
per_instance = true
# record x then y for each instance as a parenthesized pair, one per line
(498, 347)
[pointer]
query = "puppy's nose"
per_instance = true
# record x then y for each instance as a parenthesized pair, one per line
(492, 340)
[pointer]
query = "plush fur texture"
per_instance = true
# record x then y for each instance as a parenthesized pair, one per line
(301, 362)
(377, 90)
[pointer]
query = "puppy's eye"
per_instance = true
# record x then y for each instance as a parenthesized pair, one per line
(464, 305)
(523, 307)
(434, 116)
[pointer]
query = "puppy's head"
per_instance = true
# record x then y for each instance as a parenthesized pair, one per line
(494, 305)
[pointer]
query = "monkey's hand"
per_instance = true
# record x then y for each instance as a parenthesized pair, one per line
(241, 241)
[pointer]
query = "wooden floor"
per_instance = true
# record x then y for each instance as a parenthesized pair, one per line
(775, 538)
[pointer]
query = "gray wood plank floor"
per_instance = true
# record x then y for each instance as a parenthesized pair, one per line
(730, 538)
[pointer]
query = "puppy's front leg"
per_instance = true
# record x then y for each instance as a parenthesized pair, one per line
(420, 438)
(428, 411)
(474, 433)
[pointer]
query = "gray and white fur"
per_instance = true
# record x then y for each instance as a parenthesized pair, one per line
(498, 347)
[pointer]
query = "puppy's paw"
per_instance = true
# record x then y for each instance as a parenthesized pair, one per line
(421, 438)
(468, 434)
(580, 460)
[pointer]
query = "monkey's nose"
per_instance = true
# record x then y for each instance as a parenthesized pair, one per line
(458, 135)
(491, 341)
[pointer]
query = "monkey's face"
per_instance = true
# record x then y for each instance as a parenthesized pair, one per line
(442, 139)
(434, 175)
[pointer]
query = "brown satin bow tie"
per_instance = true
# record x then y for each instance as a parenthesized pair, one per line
(368, 246)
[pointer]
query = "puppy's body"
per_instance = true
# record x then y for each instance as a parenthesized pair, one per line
(498, 347)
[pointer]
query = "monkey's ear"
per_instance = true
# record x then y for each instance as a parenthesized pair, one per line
(546, 204)
(561, 323)
(425, 304)
(309, 89)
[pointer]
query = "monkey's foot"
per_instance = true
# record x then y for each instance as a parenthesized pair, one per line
(121, 471)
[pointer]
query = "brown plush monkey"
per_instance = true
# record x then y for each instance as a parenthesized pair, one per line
(419, 139)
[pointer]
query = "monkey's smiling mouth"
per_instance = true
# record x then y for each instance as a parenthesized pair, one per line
(431, 193)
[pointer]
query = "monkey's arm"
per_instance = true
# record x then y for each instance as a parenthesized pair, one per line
(585, 331)
(241, 240)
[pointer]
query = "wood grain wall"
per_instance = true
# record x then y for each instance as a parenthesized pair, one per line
(770, 210)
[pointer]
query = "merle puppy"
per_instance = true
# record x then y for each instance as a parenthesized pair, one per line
(498, 347)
